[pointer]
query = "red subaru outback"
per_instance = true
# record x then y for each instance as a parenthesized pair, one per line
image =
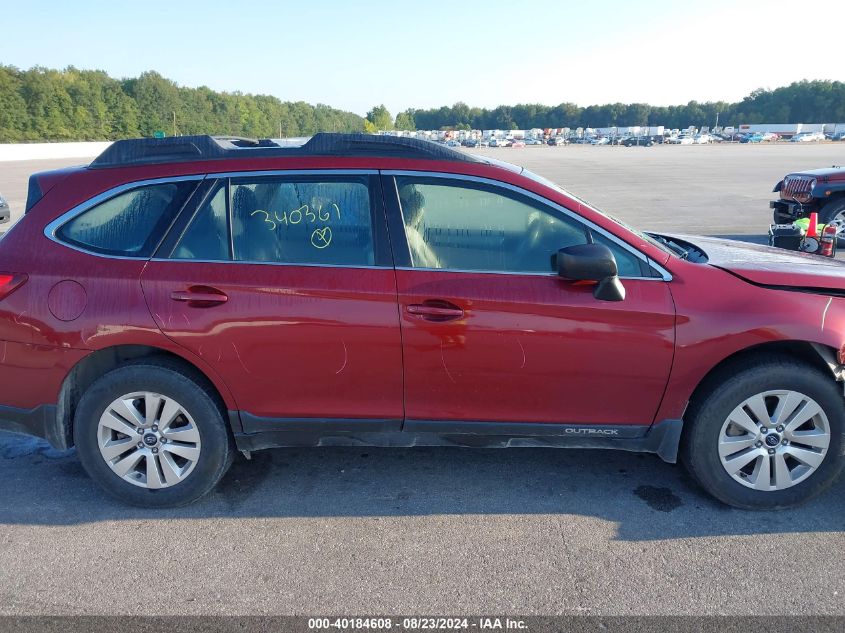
(177, 300)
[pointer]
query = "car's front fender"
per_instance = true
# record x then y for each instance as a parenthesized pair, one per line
(720, 316)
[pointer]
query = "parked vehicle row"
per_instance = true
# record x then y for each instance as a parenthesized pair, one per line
(684, 138)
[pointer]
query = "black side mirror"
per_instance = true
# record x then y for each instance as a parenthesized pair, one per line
(592, 262)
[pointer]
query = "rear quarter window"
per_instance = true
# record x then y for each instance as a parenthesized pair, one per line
(131, 224)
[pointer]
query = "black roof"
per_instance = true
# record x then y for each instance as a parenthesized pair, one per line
(150, 151)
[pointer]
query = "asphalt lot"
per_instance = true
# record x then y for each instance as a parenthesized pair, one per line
(719, 189)
(443, 530)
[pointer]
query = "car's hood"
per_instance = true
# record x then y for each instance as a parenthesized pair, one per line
(765, 265)
(824, 174)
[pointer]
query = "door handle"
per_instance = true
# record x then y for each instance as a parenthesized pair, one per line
(435, 310)
(200, 296)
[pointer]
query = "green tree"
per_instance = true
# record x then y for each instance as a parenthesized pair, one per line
(380, 117)
(42, 104)
(13, 114)
(405, 121)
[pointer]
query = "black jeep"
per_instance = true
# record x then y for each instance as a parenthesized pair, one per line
(819, 190)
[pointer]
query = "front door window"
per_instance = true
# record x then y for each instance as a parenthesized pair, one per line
(464, 226)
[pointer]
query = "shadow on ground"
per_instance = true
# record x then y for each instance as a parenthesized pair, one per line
(647, 498)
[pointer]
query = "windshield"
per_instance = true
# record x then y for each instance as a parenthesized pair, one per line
(663, 245)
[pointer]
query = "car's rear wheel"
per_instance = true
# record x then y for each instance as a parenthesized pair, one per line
(152, 435)
(766, 437)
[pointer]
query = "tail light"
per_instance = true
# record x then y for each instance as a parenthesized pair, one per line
(9, 282)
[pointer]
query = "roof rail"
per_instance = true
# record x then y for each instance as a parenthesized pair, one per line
(152, 151)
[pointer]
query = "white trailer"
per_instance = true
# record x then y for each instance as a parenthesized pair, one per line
(630, 130)
(812, 127)
(781, 129)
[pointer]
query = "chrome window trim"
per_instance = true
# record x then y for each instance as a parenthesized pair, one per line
(507, 272)
(67, 216)
(287, 264)
(51, 229)
(359, 267)
(665, 274)
(294, 172)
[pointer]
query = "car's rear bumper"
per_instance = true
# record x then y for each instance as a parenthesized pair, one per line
(40, 422)
(31, 379)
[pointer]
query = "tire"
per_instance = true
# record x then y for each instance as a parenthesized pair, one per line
(828, 214)
(709, 430)
(174, 465)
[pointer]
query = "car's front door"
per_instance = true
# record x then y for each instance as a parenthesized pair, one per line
(284, 285)
(492, 334)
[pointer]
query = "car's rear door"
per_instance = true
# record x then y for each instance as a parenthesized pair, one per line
(283, 283)
(492, 334)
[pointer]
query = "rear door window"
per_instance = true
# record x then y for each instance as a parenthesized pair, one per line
(207, 236)
(130, 224)
(308, 220)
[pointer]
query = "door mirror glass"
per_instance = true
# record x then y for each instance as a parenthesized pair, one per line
(592, 262)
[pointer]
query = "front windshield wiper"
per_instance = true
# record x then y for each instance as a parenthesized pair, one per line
(676, 248)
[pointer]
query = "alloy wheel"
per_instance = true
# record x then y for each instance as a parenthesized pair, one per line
(839, 222)
(148, 440)
(774, 440)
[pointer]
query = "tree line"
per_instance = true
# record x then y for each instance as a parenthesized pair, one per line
(42, 104)
(799, 102)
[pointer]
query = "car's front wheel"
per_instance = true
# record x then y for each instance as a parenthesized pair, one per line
(768, 436)
(151, 434)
